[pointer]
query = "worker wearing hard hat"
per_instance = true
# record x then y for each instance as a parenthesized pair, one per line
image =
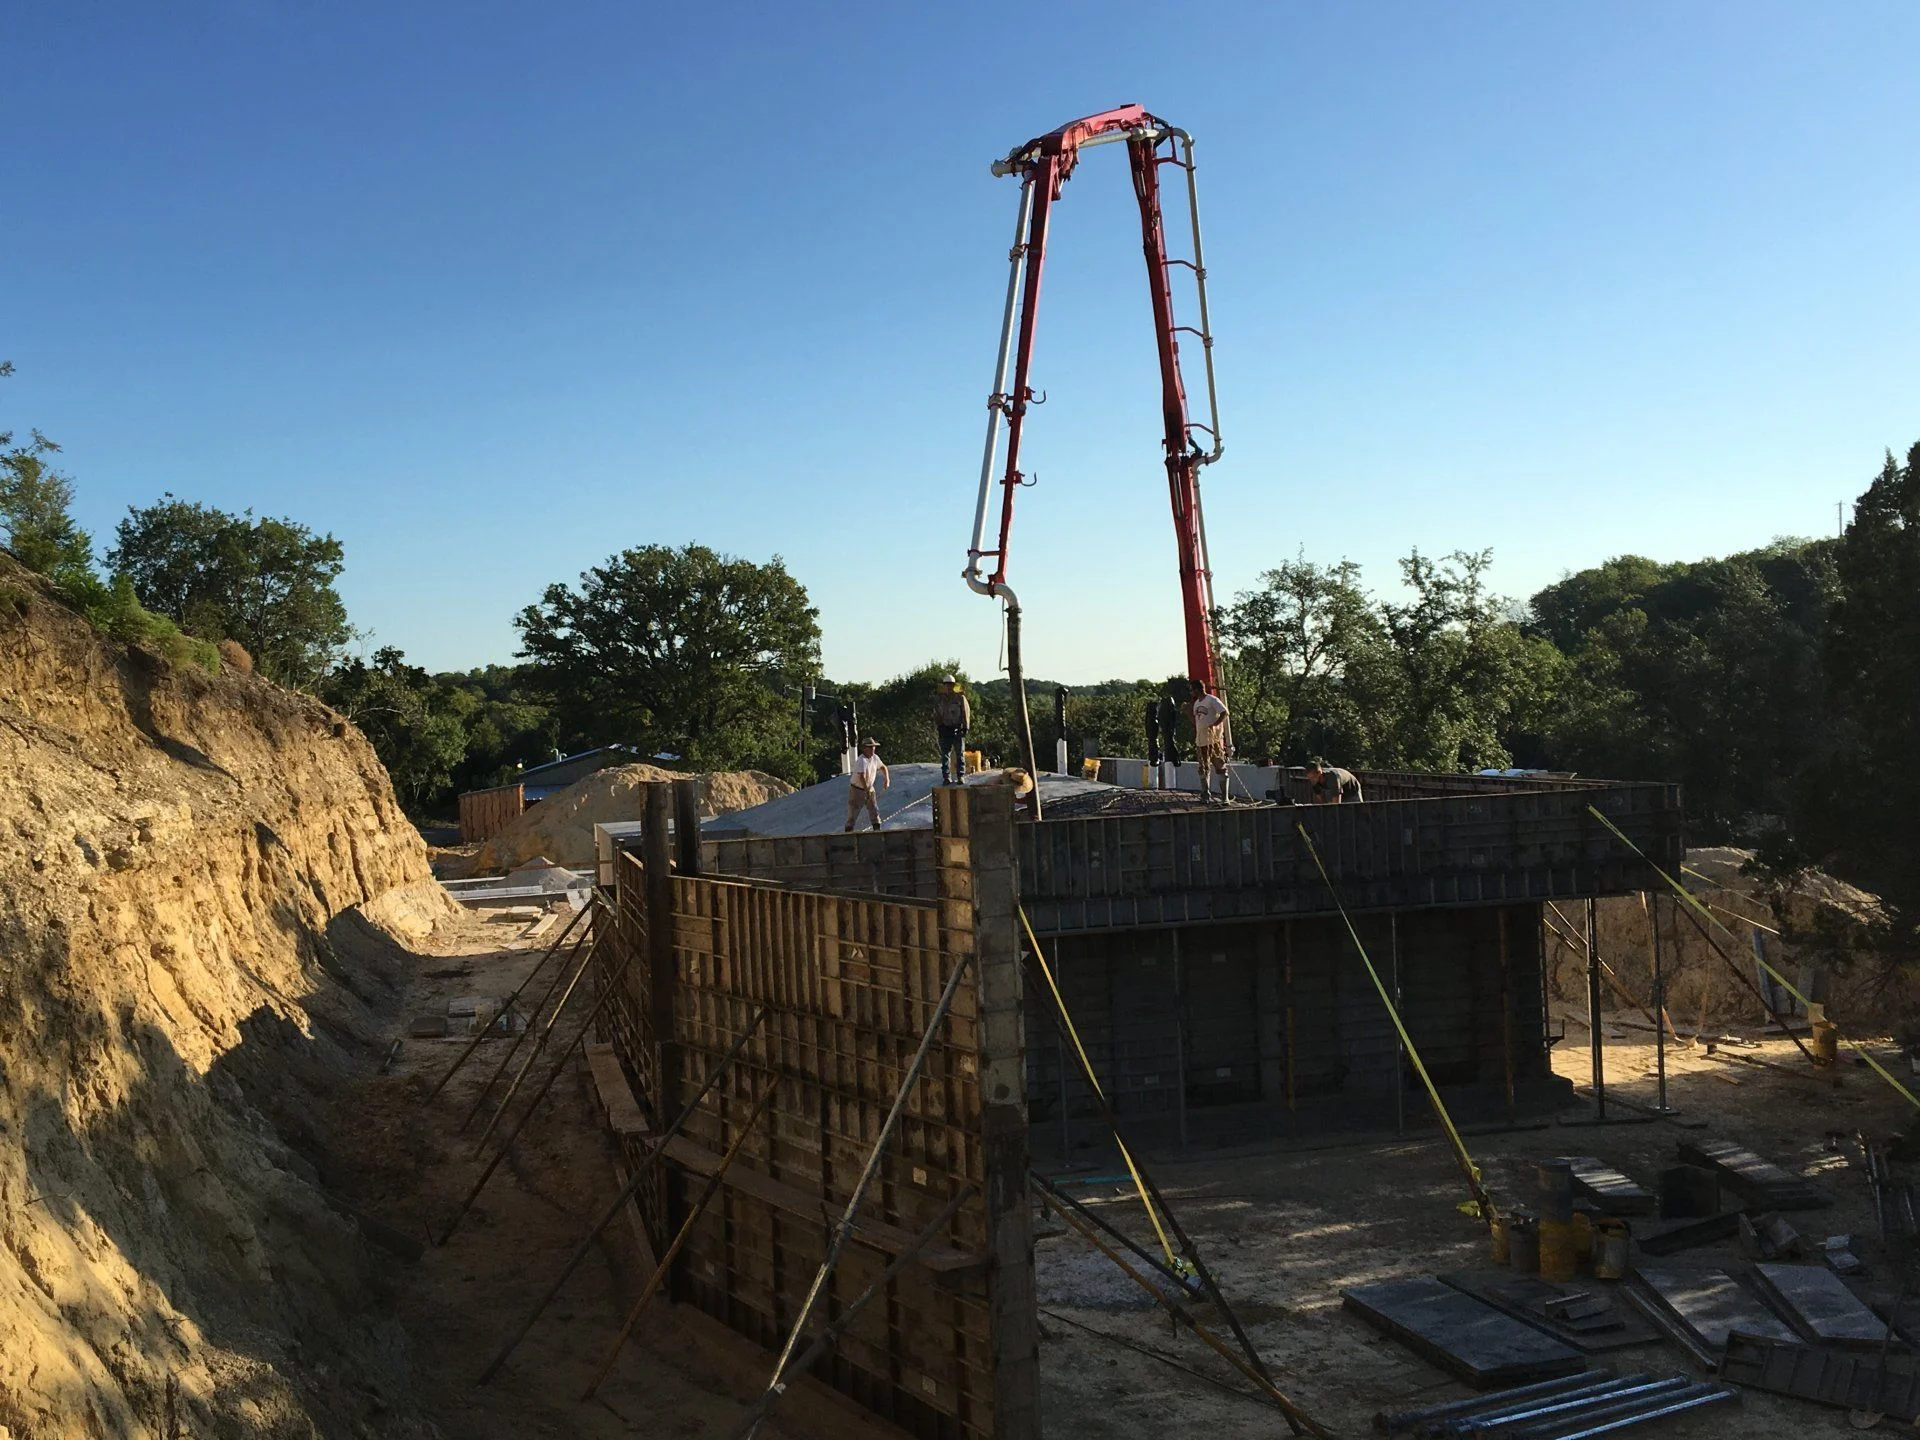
(952, 718)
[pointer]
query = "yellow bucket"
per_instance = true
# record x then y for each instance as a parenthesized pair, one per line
(1563, 1244)
(1826, 1042)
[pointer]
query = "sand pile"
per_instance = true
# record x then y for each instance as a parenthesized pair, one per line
(561, 826)
(194, 875)
(1817, 931)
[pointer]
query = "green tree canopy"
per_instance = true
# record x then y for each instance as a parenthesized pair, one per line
(1866, 800)
(1287, 646)
(413, 723)
(266, 583)
(683, 651)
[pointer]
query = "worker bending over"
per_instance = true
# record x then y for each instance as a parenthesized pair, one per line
(952, 718)
(864, 784)
(1330, 785)
(1209, 739)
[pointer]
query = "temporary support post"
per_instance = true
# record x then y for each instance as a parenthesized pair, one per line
(656, 854)
(1399, 1044)
(507, 1006)
(1596, 1043)
(979, 895)
(1506, 1011)
(686, 826)
(1660, 1106)
(1267, 1005)
(1179, 1042)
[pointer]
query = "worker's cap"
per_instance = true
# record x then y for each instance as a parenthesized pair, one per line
(868, 740)
(1316, 763)
(948, 680)
(1021, 781)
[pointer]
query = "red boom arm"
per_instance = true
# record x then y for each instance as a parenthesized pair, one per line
(1045, 164)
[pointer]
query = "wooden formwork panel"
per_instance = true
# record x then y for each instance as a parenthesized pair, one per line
(883, 862)
(485, 813)
(1184, 868)
(850, 983)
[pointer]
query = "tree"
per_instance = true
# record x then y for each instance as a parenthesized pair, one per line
(1454, 677)
(683, 651)
(1287, 646)
(266, 583)
(1867, 796)
(411, 722)
(35, 506)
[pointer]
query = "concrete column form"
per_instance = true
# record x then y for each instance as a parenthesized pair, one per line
(979, 897)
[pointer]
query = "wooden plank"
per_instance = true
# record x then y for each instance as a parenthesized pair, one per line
(1527, 1298)
(1758, 1181)
(1820, 1305)
(616, 1096)
(1612, 1191)
(1462, 1335)
(878, 1234)
(1710, 1305)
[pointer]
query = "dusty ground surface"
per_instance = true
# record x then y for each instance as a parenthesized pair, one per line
(1284, 1231)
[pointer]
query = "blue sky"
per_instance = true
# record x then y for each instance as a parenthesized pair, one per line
(491, 291)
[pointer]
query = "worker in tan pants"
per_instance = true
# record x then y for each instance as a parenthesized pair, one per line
(868, 778)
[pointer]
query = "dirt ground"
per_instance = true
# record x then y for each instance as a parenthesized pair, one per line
(409, 1164)
(1284, 1230)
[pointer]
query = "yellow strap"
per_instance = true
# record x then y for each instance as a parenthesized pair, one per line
(1174, 1262)
(1481, 1205)
(1761, 960)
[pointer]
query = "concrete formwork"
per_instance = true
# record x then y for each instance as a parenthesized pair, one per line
(850, 984)
(1204, 959)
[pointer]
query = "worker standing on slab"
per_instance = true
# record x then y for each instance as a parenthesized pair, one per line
(952, 718)
(1209, 738)
(865, 782)
(1330, 785)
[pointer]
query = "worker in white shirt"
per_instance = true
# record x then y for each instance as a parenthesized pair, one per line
(1209, 739)
(864, 784)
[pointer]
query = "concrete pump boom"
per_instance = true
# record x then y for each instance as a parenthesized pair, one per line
(1044, 165)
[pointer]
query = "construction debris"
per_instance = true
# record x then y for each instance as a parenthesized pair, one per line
(1821, 1307)
(1760, 1182)
(1874, 1385)
(1608, 1188)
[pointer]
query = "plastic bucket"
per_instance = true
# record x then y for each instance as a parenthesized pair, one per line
(1610, 1237)
(1523, 1244)
(1561, 1249)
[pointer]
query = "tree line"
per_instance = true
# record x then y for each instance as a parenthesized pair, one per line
(1780, 686)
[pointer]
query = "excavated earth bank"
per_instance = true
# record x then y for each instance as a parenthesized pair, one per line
(200, 877)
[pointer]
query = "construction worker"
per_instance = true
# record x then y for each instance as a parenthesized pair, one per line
(952, 718)
(1209, 738)
(1330, 785)
(868, 778)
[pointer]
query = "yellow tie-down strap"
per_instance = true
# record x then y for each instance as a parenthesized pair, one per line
(1481, 1205)
(1759, 959)
(1174, 1262)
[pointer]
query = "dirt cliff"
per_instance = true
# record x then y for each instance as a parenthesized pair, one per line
(198, 874)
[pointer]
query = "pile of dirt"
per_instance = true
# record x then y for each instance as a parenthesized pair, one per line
(561, 826)
(200, 878)
(1824, 935)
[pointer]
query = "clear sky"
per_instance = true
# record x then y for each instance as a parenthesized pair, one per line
(491, 291)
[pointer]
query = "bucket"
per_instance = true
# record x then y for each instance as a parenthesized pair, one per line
(1610, 1238)
(1826, 1042)
(1555, 1184)
(1523, 1244)
(1560, 1250)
